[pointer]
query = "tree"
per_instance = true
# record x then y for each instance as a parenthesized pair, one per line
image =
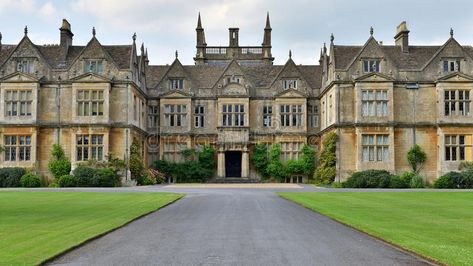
(275, 167)
(260, 159)
(326, 172)
(59, 165)
(308, 160)
(416, 158)
(136, 162)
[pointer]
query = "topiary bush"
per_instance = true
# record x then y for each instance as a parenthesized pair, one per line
(10, 176)
(30, 180)
(91, 177)
(59, 165)
(67, 181)
(417, 182)
(371, 179)
(416, 158)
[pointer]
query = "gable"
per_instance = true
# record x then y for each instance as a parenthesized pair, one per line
(20, 77)
(374, 77)
(175, 94)
(26, 50)
(371, 49)
(94, 50)
(90, 77)
(456, 77)
(451, 49)
(291, 93)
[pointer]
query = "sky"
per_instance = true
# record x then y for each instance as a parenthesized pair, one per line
(302, 26)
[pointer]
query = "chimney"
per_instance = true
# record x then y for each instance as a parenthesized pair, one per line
(233, 37)
(66, 34)
(402, 37)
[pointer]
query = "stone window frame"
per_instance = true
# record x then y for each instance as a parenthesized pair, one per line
(199, 116)
(153, 116)
(450, 65)
(18, 102)
(371, 65)
(93, 66)
(291, 150)
(267, 116)
(93, 149)
(172, 151)
(313, 115)
(30, 65)
(176, 83)
(175, 115)
(233, 115)
(457, 147)
(374, 150)
(233, 79)
(13, 145)
(291, 115)
(289, 84)
(457, 102)
(87, 103)
(374, 103)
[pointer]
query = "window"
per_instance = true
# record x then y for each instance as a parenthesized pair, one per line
(233, 79)
(90, 102)
(374, 102)
(458, 148)
(25, 66)
(89, 147)
(199, 116)
(153, 114)
(289, 84)
(290, 150)
(457, 102)
(172, 151)
(176, 84)
(17, 148)
(93, 66)
(330, 108)
(313, 113)
(18, 103)
(267, 115)
(233, 115)
(375, 148)
(291, 115)
(452, 65)
(175, 115)
(370, 66)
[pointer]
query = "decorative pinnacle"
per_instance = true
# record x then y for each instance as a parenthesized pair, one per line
(268, 24)
(177, 54)
(93, 31)
(332, 38)
(134, 37)
(199, 23)
(290, 54)
(26, 30)
(451, 32)
(371, 31)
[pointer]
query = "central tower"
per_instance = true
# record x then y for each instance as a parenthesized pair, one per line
(245, 55)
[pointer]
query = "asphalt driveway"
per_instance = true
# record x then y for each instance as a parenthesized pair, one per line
(235, 226)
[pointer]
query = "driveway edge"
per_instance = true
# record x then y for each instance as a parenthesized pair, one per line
(60, 254)
(377, 238)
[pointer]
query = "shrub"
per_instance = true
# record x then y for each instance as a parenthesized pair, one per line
(30, 180)
(417, 182)
(396, 182)
(67, 181)
(10, 176)
(416, 158)
(54, 185)
(59, 165)
(260, 160)
(326, 171)
(370, 179)
(84, 176)
(406, 178)
(275, 167)
(136, 161)
(449, 180)
(308, 160)
(105, 177)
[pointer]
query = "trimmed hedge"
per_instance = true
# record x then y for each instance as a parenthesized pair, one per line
(91, 177)
(382, 179)
(462, 180)
(30, 180)
(67, 181)
(10, 176)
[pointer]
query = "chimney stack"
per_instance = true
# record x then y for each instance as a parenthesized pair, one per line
(233, 37)
(66, 34)
(402, 37)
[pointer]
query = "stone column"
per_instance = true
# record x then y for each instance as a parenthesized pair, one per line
(221, 163)
(245, 163)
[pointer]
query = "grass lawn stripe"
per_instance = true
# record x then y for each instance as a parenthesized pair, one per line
(438, 225)
(35, 226)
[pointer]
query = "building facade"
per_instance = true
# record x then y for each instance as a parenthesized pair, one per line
(96, 99)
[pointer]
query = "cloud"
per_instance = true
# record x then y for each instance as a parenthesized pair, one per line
(48, 10)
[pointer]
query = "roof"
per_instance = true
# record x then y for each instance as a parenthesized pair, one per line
(5, 51)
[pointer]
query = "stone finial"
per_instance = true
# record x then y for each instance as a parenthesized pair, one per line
(93, 31)
(290, 54)
(134, 37)
(177, 54)
(268, 24)
(26, 30)
(325, 49)
(199, 23)
(451, 32)
(371, 31)
(331, 38)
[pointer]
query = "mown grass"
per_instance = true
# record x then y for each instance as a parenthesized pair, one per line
(438, 225)
(35, 226)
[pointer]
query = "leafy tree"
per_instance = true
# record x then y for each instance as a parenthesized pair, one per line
(416, 158)
(136, 162)
(59, 165)
(326, 172)
(275, 167)
(308, 160)
(260, 159)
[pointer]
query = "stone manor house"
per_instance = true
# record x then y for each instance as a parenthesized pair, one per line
(96, 99)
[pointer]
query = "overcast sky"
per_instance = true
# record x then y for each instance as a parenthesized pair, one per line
(300, 25)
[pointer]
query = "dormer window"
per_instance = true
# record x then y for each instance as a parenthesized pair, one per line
(93, 66)
(451, 65)
(371, 65)
(233, 79)
(25, 66)
(289, 84)
(176, 84)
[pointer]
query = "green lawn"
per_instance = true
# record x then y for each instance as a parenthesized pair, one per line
(438, 225)
(35, 226)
